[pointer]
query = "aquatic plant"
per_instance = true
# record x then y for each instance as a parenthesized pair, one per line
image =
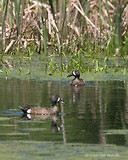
(47, 24)
(86, 35)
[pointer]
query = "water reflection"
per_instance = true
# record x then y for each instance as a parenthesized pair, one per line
(93, 113)
(77, 90)
(54, 118)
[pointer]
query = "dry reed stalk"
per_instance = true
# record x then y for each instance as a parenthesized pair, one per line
(102, 19)
(99, 22)
(8, 64)
(52, 27)
(109, 4)
(10, 46)
(125, 21)
(80, 9)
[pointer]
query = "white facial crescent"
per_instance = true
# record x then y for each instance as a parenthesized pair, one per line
(74, 73)
(58, 99)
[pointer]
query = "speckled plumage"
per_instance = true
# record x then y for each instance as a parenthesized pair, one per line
(43, 111)
(77, 82)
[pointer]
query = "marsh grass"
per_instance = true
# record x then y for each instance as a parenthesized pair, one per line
(51, 150)
(62, 23)
(76, 29)
(54, 64)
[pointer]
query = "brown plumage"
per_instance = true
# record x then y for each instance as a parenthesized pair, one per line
(77, 81)
(43, 111)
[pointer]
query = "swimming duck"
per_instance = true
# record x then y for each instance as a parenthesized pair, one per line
(77, 81)
(43, 111)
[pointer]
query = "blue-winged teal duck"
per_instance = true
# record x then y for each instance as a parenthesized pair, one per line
(43, 111)
(77, 81)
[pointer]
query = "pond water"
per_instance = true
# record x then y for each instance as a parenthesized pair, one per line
(94, 114)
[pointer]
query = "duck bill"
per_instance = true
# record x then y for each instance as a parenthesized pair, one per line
(61, 101)
(70, 75)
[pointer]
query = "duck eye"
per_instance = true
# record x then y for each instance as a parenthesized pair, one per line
(58, 99)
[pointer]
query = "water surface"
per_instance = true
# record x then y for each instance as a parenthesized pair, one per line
(94, 115)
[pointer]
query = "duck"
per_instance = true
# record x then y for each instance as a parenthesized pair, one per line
(43, 111)
(77, 81)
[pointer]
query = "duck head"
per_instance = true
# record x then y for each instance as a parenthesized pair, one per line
(75, 73)
(56, 99)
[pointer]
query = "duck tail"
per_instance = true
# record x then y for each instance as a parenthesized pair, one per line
(24, 109)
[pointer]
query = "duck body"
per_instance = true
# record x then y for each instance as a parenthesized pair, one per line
(77, 81)
(39, 110)
(43, 111)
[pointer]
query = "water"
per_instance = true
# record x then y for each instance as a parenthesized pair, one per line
(96, 113)
(92, 115)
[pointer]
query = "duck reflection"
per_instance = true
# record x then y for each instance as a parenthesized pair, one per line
(54, 119)
(77, 91)
(55, 127)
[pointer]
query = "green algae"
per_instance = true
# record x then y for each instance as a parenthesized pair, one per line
(41, 69)
(49, 150)
(87, 76)
(21, 150)
(14, 134)
(4, 118)
(116, 131)
(33, 129)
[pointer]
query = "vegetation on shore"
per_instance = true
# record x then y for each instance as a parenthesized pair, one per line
(87, 35)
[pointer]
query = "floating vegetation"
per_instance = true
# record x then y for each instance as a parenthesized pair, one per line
(51, 68)
(116, 131)
(33, 129)
(50, 150)
(4, 118)
(14, 134)
(7, 125)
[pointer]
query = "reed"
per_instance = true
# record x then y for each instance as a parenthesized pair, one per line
(17, 6)
(4, 7)
(43, 21)
(77, 29)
